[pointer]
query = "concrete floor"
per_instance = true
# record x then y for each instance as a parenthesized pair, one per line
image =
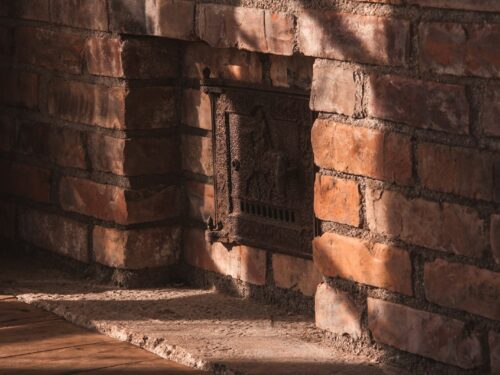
(199, 328)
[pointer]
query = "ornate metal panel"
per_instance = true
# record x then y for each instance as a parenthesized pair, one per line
(263, 169)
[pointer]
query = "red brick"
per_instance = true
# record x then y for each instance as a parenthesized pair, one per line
(133, 156)
(7, 220)
(479, 5)
(87, 103)
(55, 233)
(136, 248)
(87, 14)
(295, 71)
(333, 88)
(441, 226)
(494, 342)
(57, 145)
(48, 49)
(151, 108)
(335, 312)
(349, 37)
(25, 181)
(201, 200)
(197, 154)
(362, 151)
(495, 237)
(423, 104)
(460, 49)
(168, 18)
(7, 132)
(456, 170)
(240, 262)
(113, 203)
(19, 89)
(463, 287)
(251, 29)
(132, 58)
(228, 64)
(299, 274)
(37, 10)
(5, 43)
(337, 200)
(196, 109)
(369, 263)
(491, 111)
(423, 333)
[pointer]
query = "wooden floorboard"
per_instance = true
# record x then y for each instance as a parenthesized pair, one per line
(14, 312)
(35, 342)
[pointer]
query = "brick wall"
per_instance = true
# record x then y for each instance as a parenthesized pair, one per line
(106, 152)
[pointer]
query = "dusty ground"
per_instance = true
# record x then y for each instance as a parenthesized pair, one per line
(198, 328)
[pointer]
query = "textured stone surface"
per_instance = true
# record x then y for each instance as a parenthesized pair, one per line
(495, 237)
(199, 328)
(424, 333)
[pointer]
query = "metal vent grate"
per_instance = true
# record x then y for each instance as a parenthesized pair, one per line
(269, 212)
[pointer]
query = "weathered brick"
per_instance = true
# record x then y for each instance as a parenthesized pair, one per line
(343, 36)
(337, 200)
(335, 311)
(25, 181)
(6, 36)
(53, 50)
(423, 104)
(113, 203)
(362, 151)
(460, 49)
(57, 145)
(87, 103)
(240, 262)
(196, 109)
(36, 10)
(19, 88)
(132, 58)
(479, 5)
(168, 18)
(251, 29)
(491, 111)
(133, 156)
(197, 154)
(228, 64)
(333, 88)
(55, 233)
(87, 14)
(295, 71)
(294, 273)
(7, 132)
(463, 287)
(494, 343)
(201, 200)
(7, 219)
(456, 170)
(423, 333)
(369, 263)
(495, 237)
(151, 108)
(441, 226)
(136, 248)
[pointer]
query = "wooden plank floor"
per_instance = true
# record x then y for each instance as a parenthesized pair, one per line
(35, 342)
